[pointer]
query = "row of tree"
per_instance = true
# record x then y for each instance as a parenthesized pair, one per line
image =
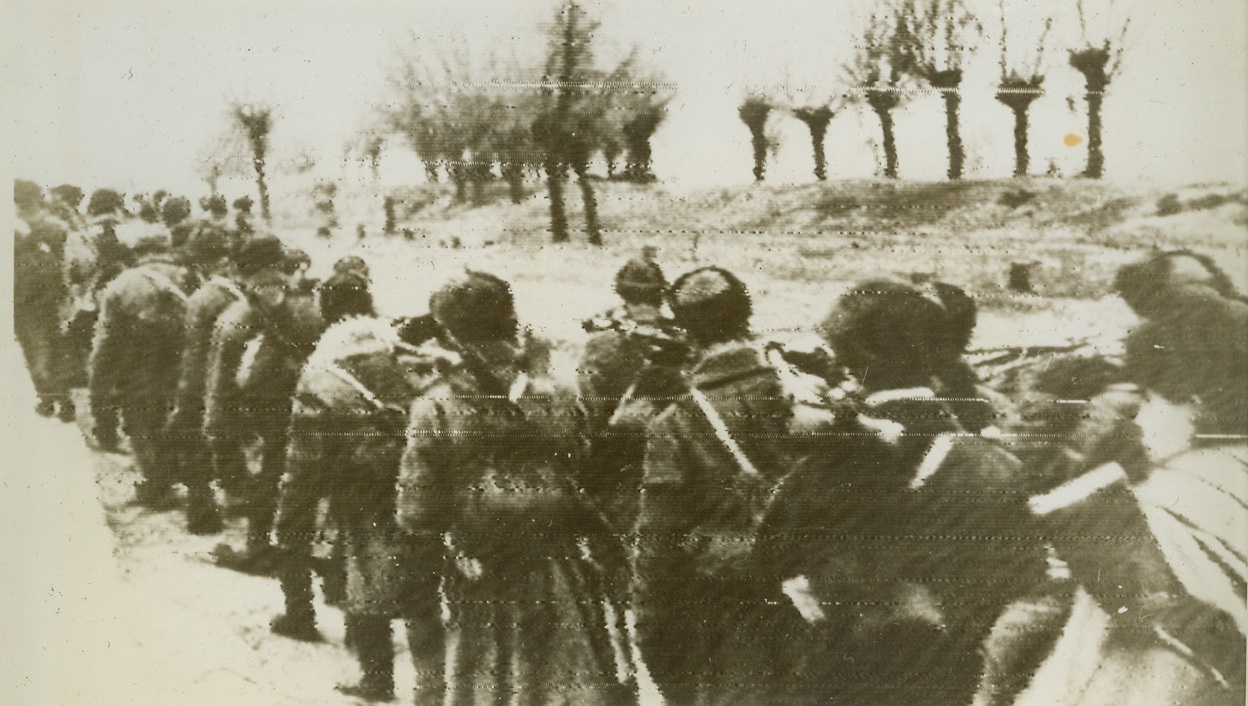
(473, 120)
(908, 46)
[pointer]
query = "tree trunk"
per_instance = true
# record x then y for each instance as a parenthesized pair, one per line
(558, 218)
(1096, 158)
(890, 141)
(1018, 94)
(1092, 63)
(592, 228)
(759, 142)
(957, 155)
(1022, 161)
(637, 134)
(513, 173)
(817, 120)
(460, 180)
(817, 134)
(263, 187)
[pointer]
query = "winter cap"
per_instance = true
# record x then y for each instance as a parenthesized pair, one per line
(476, 307)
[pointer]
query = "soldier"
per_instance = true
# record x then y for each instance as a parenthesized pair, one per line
(39, 298)
(175, 213)
(242, 217)
(134, 361)
(711, 460)
(905, 538)
(629, 372)
(1153, 459)
(93, 257)
(492, 456)
(228, 274)
(66, 202)
(257, 349)
(347, 436)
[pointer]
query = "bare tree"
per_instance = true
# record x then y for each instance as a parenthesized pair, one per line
(256, 122)
(815, 112)
(1098, 63)
(754, 111)
(1020, 85)
(224, 155)
(574, 108)
(938, 35)
(880, 71)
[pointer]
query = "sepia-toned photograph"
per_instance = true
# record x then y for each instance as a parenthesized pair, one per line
(625, 353)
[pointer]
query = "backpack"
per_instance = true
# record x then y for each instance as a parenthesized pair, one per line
(527, 443)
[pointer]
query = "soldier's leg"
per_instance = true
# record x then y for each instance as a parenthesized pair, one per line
(36, 348)
(262, 505)
(229, 463)
(195, 459)
(374, 647)
(422, 611)
(143, 419)
(299, 620)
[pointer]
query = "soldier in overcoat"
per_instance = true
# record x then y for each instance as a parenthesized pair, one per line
(39, 298)
(227, 276)
(491, 463)
(257, 349)
(706, 624)
(134, 361)
(346, 439)
(903, 542)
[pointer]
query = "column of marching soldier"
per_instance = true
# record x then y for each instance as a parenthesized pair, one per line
(754, 523)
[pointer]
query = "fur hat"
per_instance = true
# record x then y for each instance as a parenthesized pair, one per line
(260, 253)
(475, 308)
(712, 304)
(890, 327)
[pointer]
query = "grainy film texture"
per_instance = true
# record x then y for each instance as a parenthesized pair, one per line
(599, 352)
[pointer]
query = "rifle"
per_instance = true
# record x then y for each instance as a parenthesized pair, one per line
(662, 341)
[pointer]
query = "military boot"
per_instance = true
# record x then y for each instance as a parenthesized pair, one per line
(374, 646)
(202, 515)
(258, 558)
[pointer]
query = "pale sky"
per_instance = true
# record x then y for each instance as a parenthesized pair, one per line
(127, 92)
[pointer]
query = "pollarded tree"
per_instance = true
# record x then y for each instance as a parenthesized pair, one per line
(754, 111)
(816, 114)
(1021, 83)
(1098, 62)
(256, 122)
(816, 119)
(938, 34)
(880, 71)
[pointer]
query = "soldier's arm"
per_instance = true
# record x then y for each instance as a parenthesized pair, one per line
(197, 333)
(225, 353)
(305, 482)
(426, 498)
(665, 590)
(107, 348)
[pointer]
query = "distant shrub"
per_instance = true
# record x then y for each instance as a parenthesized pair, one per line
(1015, 198)
(1169, 205)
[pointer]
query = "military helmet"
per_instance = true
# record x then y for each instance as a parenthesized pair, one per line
(105, 202)
(475, 308)
(27, 195)
(353, 263)
(712, 304)
(260, 253)
(640, 282)
(295, 259)
(345, 294)
(207, 246)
